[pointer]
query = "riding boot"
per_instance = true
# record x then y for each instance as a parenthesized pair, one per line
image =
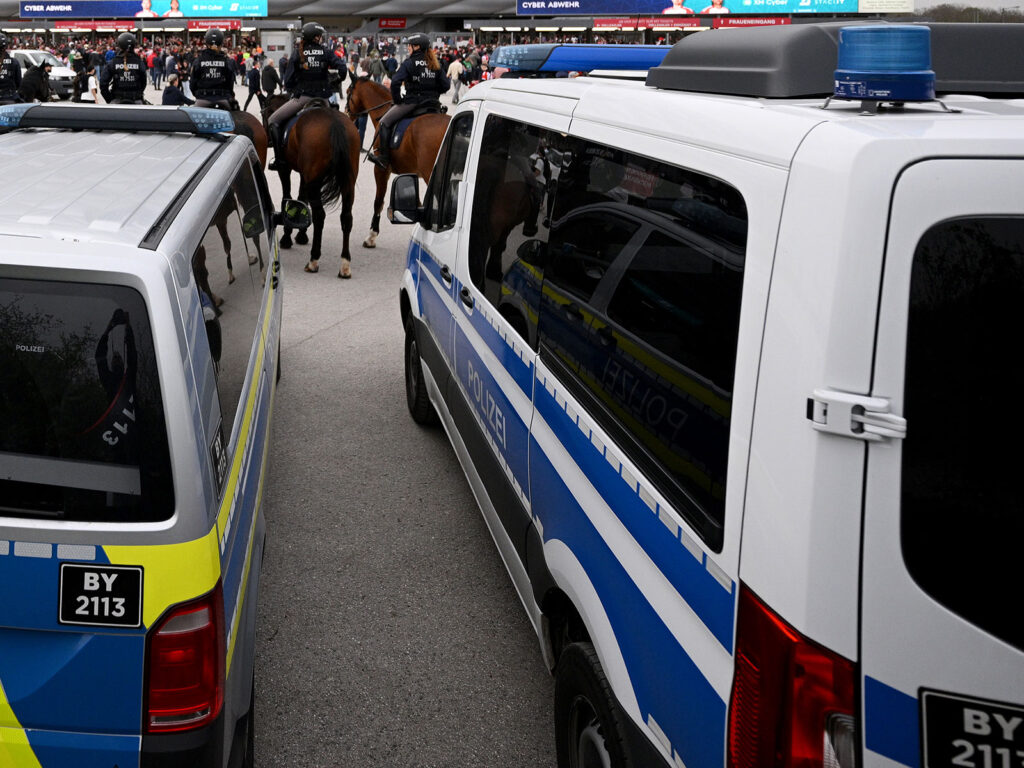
(275, 140)
(381, 156)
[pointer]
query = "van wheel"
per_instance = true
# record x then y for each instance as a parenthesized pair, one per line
(588, 720)
(416, 396)
(249, 760)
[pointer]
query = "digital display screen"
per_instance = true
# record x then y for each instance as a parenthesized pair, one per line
(141, 9)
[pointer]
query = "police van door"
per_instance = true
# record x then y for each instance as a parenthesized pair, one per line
(942, 634)
(492, 386)
(438, 247)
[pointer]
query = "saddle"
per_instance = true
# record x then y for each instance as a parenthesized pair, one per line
(314, 103)
(432, 107)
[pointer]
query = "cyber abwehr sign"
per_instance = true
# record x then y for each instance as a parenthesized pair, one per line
(685, 7)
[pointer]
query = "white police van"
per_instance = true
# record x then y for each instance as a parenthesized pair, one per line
(726, 367)
(140, 319)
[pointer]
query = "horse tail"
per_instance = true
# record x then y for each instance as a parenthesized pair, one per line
(339, 172)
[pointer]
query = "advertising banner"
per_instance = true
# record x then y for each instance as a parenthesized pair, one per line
(394, 22)
(749, 21)
(688, 7)
(140, 9)
(215, 24)
(117, 24)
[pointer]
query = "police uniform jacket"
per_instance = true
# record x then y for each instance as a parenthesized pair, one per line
(10, 77)
(421, 82)
(124, 77)
(308, 70)
(213, 75)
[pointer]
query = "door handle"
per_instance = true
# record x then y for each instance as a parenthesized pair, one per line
(273, 281)
(467, 298)
(606, 336)
(277, 266)
(573, 311)
(446, 275)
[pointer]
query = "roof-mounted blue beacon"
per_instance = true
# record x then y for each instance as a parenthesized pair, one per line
(885, 63)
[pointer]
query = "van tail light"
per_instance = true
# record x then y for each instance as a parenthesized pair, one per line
(793, 702)
(185, 666)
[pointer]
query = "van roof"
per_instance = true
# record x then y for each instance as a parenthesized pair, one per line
(104, 186)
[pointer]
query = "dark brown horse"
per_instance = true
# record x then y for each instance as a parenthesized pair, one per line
(418, 149)
(323, 147)
(252, 127)
(273, 103)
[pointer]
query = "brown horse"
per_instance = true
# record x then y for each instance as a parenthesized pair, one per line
(417, 152)
(251, 127)
(272, 105)
(323, 146)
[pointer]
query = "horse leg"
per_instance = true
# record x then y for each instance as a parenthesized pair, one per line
(285, 176)
(319, 217)
(380, 176)
(346, 229)
(304, 194)
(222, 228)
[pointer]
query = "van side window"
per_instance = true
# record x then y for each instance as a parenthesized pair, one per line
(961, 499)
(639, 316)
(442, 195)
(519, 166)
(230, 267)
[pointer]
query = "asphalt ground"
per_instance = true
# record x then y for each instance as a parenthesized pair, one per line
(389, 631)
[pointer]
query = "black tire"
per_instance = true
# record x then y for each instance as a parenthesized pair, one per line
(589, 730)
(416, 397)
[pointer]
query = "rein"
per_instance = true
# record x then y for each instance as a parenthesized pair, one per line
(371, 109)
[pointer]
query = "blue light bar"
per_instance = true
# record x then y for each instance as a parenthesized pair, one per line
(195, 120)
(551, 57)
(208, 120)
(885, 63)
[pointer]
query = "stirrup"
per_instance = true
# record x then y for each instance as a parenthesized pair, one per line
(377, 160)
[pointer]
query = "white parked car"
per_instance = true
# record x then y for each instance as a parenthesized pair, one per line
(62, 79)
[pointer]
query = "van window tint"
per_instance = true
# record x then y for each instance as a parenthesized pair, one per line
(639, 315)
(83, 434)
(230, 270)
(442, 196)
(518, 169)
(961, 520)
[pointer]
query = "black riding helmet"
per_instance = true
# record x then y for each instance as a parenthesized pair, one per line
(311, 31)
(418, 40)
(214, 37)
(125, 41)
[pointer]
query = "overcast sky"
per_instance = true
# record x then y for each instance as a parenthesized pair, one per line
(922, 5)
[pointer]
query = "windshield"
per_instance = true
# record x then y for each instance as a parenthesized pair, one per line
(84, 435)
(48, 58)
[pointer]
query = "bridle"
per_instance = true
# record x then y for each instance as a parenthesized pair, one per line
(348, 103)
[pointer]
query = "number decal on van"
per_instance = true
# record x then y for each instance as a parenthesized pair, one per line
(101, 595)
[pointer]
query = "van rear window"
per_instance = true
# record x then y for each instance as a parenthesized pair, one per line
(82, 429)
(961, 519)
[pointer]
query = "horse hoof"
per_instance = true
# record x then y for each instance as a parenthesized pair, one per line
(302, 238)
(252, 260)
(369, 243)
(312, 267)
(346, 270)
(231, 277)
(286, 243)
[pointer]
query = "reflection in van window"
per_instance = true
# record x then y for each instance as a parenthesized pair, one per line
(961, 519)
(442, 196)
(639, 315)
(517, 171)
(230, 271)
(83, 434)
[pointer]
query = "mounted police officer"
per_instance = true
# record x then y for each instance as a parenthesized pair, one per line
(213, 73)
(124, 78)
(424, 80)
(307, 78)
(10, 74)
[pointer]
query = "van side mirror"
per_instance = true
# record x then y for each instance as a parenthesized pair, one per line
(404, 207)
(294, 214)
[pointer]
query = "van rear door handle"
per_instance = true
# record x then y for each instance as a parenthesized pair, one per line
(446, 275)
(466, 297)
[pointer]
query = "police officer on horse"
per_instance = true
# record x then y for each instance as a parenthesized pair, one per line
(124, 78)
(424, 81)
(307, 78)
(213, 73)
(10, 74)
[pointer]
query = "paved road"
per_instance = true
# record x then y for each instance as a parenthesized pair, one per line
(389, 631)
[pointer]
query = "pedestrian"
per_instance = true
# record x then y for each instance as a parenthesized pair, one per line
(156, 67)
(252, 79)
(307, 77)
(270, 79)
(173, 95)
(10, 74)
(375, 66)
(124, 79)
(455, 74)
(424, 80)
(91, 92)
